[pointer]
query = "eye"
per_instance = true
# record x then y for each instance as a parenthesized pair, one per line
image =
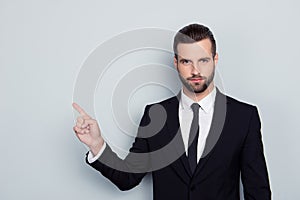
(185, 61)
(204, 60)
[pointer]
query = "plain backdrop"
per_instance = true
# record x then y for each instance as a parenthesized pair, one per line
(43, 44)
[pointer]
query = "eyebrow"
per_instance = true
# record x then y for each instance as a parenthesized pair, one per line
(184, 59)
(204, 58)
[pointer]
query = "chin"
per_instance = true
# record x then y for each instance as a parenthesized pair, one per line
(200, 90)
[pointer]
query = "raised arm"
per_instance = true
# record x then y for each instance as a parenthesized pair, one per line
(88, 132)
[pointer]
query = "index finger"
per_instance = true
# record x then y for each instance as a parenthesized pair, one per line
(79, 109)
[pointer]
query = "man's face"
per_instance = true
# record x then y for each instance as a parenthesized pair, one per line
(195, 65)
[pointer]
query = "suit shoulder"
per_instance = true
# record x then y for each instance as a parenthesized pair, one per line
(241, 110)
(240, 105)
(165, 101)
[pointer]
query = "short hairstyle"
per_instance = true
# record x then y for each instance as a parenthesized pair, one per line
(194, 33)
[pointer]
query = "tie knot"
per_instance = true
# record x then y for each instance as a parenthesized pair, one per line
(195, 107)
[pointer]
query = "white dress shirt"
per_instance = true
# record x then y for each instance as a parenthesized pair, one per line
(185, 115)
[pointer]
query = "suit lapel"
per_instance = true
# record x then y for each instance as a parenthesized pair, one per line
(215, 130)
(181, 165)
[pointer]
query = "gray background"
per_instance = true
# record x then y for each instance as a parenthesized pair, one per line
(44, 43)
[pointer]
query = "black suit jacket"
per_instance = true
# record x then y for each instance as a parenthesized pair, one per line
(233, 148)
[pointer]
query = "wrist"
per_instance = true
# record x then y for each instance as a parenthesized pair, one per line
(96, 147)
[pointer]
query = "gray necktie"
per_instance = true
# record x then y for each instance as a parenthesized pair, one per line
(193, 138)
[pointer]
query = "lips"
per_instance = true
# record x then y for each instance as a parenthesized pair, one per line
(195, 79)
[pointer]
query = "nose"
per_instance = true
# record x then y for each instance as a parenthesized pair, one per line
(195, 70)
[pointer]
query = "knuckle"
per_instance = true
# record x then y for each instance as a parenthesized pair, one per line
(78, 125)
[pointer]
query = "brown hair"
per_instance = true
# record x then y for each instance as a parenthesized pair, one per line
(194, 33)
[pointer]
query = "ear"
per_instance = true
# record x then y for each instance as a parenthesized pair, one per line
(175, 63)
(216, 58)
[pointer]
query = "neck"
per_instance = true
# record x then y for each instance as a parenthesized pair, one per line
(198, 96)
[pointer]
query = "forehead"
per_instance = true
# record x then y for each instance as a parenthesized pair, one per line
(201, 48)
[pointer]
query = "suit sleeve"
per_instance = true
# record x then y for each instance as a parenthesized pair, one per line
(254, 172)
(127, 173)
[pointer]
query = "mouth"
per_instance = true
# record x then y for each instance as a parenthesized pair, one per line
(196, 80)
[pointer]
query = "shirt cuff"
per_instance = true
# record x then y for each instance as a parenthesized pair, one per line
(92, 159)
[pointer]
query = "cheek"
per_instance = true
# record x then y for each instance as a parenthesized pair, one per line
(207, 70)
(183, 70)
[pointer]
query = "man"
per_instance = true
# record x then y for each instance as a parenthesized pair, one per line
(219, 137)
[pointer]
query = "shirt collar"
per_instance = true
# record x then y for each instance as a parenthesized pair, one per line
(206, 103)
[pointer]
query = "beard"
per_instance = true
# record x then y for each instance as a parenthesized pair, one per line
(197, 87)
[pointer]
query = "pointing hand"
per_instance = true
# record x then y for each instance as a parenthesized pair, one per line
(87, 130)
